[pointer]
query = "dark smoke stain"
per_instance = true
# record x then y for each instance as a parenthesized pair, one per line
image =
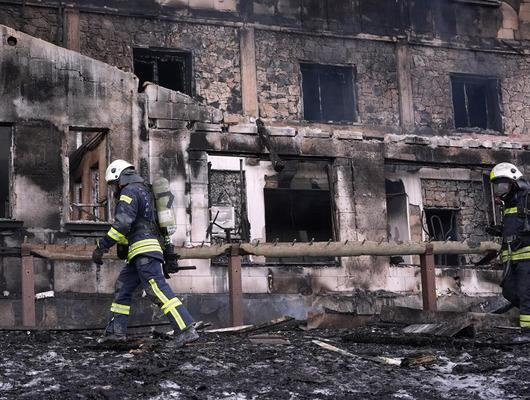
(199, 141)
(10, 78)
(37, 156)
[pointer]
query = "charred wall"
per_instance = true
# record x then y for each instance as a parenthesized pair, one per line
(431, 71)
(278, 60)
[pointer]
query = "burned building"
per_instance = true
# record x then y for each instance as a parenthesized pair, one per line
(386, 118)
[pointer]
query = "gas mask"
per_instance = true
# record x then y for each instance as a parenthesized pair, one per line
(502, 188)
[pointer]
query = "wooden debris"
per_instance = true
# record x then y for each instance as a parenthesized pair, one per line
(419, 359)
(409, 316)
(252, 328)
(269, 339)
(441, 329)
(379, 359)
(231, 329)
(336, 320)
(199, 325)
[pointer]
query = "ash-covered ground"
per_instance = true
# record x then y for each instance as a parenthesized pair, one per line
(52, 365)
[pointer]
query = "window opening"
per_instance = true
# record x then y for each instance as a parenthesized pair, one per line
(5, 171)
(88, 192)
(476, 102)
(168, 68)
(397, 216)
(328, 93)
(442, 226)
(298, 207)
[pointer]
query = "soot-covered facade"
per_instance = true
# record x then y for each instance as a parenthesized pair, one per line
(387, 117)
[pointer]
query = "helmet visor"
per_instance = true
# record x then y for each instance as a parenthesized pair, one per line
(502, 188)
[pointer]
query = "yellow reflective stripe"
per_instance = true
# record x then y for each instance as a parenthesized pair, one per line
(126, 199)
(519, 254)
(144, 246)
(120, 308)
(117, 236)
(146, 249)
(145, 242)
(174, 302)
(165, 301)
(512, 210)
(524, 324)
(524, 318)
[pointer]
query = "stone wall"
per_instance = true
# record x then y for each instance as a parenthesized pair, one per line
(215, 51)
(465, 196)
(431, 85)
(278, 57)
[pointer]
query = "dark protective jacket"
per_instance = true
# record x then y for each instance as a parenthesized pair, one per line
(135, 223)
(516, 225)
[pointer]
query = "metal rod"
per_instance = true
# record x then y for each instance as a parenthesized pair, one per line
(28, 287)
(235, 286)
(428, 279)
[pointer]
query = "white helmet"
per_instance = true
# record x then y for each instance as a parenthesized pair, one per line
(505, 170)
(115, 169)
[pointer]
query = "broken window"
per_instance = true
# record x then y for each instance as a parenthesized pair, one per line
(5, 171)
(328, 93)
(442, 226)
(476, 102)
(87, 160)
(227, 197)
(298, 206)
(168, 68)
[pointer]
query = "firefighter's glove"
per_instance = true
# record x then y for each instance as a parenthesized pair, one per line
(97, 255)
(494, 230)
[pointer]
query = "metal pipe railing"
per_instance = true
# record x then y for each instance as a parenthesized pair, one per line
(426, 251)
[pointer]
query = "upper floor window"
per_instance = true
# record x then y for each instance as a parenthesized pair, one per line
(328, 93)
(168, 68)
(476, 102)
(6, 147)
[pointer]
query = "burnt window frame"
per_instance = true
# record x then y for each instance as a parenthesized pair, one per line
(306, 67)
(182, 55)
(67, 200)
(493, 93)
(10, 175)
(455, 215)
(334, 234)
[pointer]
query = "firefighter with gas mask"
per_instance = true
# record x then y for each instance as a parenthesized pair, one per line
(512, 192)
(136, 229)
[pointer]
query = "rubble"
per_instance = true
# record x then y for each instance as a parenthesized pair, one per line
(321, 364)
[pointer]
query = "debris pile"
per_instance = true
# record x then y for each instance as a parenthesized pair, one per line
(276, 360)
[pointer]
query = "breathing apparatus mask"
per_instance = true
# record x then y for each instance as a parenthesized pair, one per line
(503, 187)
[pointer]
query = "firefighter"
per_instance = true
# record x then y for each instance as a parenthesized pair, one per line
(136, 228)
(511, 190)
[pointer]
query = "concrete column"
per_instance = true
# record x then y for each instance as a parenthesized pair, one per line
(249, 91)
(406, 103)
(71, 35)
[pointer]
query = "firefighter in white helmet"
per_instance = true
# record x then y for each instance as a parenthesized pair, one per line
(511, 190)
(136, 226)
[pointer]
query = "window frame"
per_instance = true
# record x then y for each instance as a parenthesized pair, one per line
(10, 171)
(185, 54)
(463, 78)
(66, 217)
(320, 68)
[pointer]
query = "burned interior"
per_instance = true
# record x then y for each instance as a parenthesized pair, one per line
(328, 167)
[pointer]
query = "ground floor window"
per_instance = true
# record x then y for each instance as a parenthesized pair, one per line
(5, 171)
(442, 225)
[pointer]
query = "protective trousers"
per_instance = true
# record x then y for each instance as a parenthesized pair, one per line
(516, 290)
(147, 272)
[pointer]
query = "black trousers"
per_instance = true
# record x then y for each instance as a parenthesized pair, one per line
(516, 290)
